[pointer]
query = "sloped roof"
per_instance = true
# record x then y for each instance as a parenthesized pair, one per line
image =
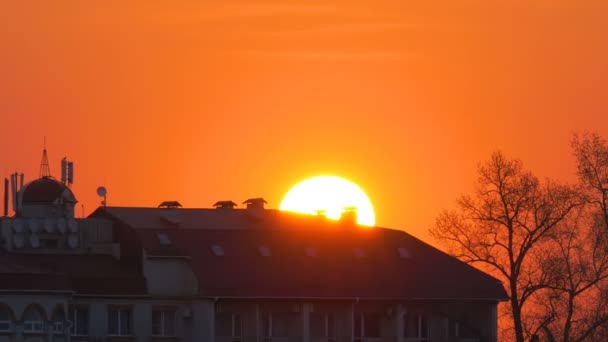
(289, 272)
(82, 274)
(186, 218)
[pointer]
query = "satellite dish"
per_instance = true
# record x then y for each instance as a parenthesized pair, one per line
(48, 225)
(72, 225)
(18, 240)
(102, 191)
(73, 240)
(34, 241)
(34, 225)
(62, 225)
(17, 226)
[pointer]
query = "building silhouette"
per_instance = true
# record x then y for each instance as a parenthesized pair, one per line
(225, 274)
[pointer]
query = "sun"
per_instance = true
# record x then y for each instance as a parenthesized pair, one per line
(331, 195)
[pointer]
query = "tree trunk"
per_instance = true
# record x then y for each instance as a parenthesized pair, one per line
(519, 331)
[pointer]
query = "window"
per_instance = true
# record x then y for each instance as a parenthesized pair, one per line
(48, 243)
(163, 322)
(371, 325)
(57, 327)
(217, 250)
(416, 328)
(367, 325)
(33, 320)
(229, 324)
(120, 321)
(404, 253)
(322, 326)
(463, 331)
(277, 324)
(6, 319)
(80, 320)
(265, 251)
(57, 321)
(163, 239)
(358, 252)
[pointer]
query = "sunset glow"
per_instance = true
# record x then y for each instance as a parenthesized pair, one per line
(200, 101)
(329, 195)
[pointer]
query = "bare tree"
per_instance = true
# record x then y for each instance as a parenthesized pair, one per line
(573, 305)
(591, 152)
(504, 224)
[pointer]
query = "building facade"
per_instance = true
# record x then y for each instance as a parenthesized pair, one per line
(226, 274)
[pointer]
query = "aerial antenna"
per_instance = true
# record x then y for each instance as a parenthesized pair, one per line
(45, 170)
(67, 172)
(64, 170)
(70, 173)
(5, 197)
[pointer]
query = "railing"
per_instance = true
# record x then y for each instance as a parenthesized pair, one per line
(333, 339)
(258, 339)
(370, 339)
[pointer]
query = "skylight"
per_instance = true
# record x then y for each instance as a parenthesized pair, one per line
(404, 253)
(265, 251)
(163, 239)
(312, 252)
(217, 250)
(358, 252)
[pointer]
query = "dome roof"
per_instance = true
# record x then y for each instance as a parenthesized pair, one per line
(46, 190)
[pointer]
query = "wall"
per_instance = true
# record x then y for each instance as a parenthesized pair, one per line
(195, 318)
(169, 277)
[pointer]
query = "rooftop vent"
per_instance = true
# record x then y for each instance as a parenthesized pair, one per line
(163, 239)
(404, 253)
(349, 215)
(358, 253)
(265, 251)
(322, 213)
(170, 217)
(255, 203)
(170, 204)
(217, 250)
(312, 252)
(224, 205)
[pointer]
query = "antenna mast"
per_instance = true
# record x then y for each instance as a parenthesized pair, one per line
(45, 170)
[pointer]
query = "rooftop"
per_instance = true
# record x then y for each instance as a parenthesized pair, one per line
(281, 254)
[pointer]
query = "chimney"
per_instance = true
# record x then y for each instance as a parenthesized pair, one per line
(255, 203)
(170, 204)
(224, 205)
(349, 216)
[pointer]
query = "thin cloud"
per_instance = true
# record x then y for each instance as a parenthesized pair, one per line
(311, 55)
(347, 28)
(266, 10)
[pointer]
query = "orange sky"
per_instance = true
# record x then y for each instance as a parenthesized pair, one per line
(206, 100)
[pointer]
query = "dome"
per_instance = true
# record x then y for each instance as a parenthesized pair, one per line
(46, 190)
